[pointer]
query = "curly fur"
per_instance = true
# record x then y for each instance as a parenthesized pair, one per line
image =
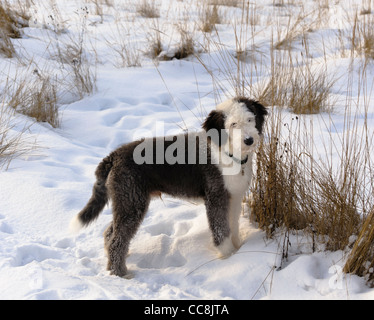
(130, 185)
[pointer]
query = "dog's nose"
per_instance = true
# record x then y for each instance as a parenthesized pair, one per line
(248, 141)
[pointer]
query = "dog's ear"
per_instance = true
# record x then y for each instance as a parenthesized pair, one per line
(214, 125)
(215, 120)
(260, 109)
(260, 112)
(257, 109)
(254, 106)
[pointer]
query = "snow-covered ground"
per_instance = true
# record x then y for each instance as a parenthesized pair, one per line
(172, 255)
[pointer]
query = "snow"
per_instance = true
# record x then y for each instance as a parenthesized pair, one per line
(172, 255)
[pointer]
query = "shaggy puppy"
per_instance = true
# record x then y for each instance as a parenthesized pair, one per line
(214, 165)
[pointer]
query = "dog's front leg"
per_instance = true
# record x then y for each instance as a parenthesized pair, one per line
(217, 209)
(235, 210)
(226, 248)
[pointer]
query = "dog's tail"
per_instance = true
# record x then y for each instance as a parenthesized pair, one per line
(99, 197)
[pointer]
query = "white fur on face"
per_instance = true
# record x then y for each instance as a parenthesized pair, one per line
(240, 124)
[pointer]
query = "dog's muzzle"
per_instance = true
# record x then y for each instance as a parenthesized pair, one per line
(249, 141)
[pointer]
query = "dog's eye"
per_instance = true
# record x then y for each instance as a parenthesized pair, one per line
(233, 125)
(249, 120)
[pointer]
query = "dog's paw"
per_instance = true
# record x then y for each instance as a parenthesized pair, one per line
(129, 275)
(236, 242)
(226, 248)
(121, 272)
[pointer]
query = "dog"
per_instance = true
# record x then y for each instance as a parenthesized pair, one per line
(214, 165)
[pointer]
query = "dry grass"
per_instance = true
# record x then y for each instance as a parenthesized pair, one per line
(327, 195)
(361, 258)
(296, 28)
(99, 7)
(209, 17)
(300, 89)
(148, 9)
(6, 46)
(34, 92)
(154, 40)
(303, 86)
(361, 37)
(228, 3)
(186, 46)
(11, 21)
(125, 51)
(35, 95)
(155, 45)
(71, 53)
(295, 189)
(12, 142)
(275, 201)
(366, 32)
(10, 24)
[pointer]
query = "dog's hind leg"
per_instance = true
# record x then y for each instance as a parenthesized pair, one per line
(129, 207)
(108, 236)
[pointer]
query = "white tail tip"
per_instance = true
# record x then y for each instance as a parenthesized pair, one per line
(75, 225)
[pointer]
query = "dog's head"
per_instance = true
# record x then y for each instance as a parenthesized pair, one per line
(238, 124)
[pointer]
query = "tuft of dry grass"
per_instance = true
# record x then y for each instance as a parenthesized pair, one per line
(294, 189)
(12, 144)
(309, 92)
(295, 29)
(154, 40)
(11, 22)
(186, 47)
(276, 194)
(362, 35)
(126, 52)
(228, 3)
(84, 78)
(6, 46)
(301, 88)
(72, 55)
(209, 17)
(367, 34)
(148, 9)
(155, 45)
(361, 258)
(35, 95)
(327, 195)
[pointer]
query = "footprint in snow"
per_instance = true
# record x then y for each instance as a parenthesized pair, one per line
(165, 227)
(64, 243)
(160, 255)
(28, 253)
(169, 228)
(5, 228)
(128, 100)
(112, 117)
